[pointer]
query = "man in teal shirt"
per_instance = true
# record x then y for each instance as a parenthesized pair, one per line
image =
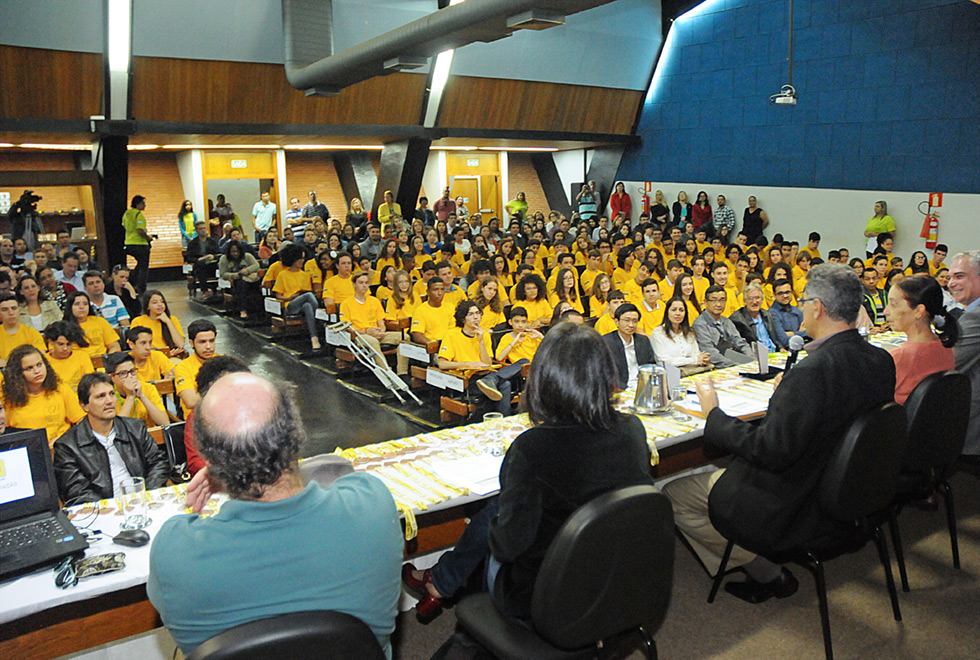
(276, 546)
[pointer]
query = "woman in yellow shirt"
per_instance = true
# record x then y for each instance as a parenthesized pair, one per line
(403, 302)
(383, 292)
(599, 299)
(500, 270)
(100, 338)
(296, 286)
(508, 248)
(566, 290)
(390, 256)
(69, 365)
(167, 332)
(529, 293)
(487, 298)
(33, 397)
(684, 288)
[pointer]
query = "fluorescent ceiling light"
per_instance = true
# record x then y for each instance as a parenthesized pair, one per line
(518, 148)
(63, 147)
(440, 75)
(226, 147)
(119, 34)
(5, 144)
(333, 147)
(453, 148)
(142, 147)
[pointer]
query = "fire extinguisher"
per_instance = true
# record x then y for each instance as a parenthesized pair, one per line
(930, 227)
(645, 198)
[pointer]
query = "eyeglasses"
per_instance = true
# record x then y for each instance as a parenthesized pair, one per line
(125, 373)
(717, 300)
(803, 301)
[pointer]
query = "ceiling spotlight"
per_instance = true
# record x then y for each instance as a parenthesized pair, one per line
(786, 96)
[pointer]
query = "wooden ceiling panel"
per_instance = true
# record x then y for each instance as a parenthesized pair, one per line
(494, 103)
(208, 91)
(49, 84)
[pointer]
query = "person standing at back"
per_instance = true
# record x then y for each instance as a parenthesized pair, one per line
(137, 241)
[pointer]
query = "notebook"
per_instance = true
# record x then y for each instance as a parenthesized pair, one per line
(34, 531)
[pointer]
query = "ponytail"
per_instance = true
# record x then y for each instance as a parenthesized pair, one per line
(924, 290)
(949, 328)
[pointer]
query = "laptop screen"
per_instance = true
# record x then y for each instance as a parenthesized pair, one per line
(27, 484)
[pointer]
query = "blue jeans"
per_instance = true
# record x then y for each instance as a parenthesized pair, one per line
(306, 305)
(473, 548)
(506, 377)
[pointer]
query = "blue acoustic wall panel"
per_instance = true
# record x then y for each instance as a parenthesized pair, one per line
(889, 97)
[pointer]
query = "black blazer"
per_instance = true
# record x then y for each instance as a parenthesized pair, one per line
(766, 500)
(644, 353)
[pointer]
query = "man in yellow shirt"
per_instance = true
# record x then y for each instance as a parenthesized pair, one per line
(151, 365)
(201, 334)
(623, 273)
(14, 333)
(812, 246)
(70, 365)
(367, 318)
(674, 271)
(607, 322)
(339, 288)
(651, 309)
(135, 398)
(467, 348)
(428, 271)
(453, 294)
(936, 264)
(633, 289)
(520, 343)
(720, 274)
(432, 319)
(592, 270)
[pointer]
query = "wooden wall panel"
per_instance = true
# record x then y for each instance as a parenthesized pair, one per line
(49, 84)
(210, 91)
(539, 106)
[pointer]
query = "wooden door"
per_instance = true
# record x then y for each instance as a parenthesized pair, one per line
(469, 189)
(461, 166)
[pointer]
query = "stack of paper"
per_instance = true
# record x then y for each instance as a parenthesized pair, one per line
(478, 474)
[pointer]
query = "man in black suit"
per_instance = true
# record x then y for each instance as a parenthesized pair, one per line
(766, 500)
(629, 349)
(756, 324)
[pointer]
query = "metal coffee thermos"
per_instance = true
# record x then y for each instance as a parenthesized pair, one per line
(651, 390)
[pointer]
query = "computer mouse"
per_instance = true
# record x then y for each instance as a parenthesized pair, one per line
(134, 538)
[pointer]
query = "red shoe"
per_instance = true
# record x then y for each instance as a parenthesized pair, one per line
(410, 580)
(428, 608)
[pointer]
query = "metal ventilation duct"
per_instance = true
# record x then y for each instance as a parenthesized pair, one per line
(312, 66)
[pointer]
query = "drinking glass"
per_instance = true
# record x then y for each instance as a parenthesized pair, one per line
(494, 434)
(132, 493)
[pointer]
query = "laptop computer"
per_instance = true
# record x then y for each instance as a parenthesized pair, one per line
(34, 531)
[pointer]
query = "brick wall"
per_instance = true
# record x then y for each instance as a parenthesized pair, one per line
(522, 177)
(54, 198)
(155, 176)
(315, 171)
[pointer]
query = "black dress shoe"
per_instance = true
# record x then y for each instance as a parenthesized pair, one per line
(755, 592)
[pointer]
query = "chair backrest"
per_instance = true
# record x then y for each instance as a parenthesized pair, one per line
(862, 475)
(609, 569)
(319, 635)
(939, 412)
(173, 442)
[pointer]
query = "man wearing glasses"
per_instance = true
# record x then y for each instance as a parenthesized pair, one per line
(630, 350)
(766, 500)
(785, 315)
(135, 398)
(717, 335)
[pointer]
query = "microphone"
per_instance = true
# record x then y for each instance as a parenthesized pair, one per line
(795, 346)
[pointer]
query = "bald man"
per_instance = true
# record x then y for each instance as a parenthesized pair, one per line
(209, 575)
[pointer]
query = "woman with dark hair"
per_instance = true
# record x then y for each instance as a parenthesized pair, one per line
(599, 298)
(913, 305)
(857, 265)
(894, 276)
(500, 270)
(487, 298)
(620, 202)
(33, 397)
(242, 270)
(517, 206)
(384, 290)
(566, 290)
(295, 286)
(186, 220)
(390, 255)
(35, 311)
(919, 263)
(684, 289)
(168, 334)
(99, 334)
(701, 214)
(578, 448)
(530, 294)
(674, 340)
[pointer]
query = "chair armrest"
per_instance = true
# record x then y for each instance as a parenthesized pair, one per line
(400, 324)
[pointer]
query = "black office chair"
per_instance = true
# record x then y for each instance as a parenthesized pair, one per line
(607, 575)
(173, 442)
(318, 635)
(939, 413)
(857, 487)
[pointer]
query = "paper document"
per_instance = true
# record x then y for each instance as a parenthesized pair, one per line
(479, 474)
(730, 404)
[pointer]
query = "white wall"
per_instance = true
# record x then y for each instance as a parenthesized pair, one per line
(839, 215)
(190, 166)
(434, 179)
(572, 166)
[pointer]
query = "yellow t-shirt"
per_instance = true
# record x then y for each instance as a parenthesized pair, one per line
(139, 410)
(311, 267)
(395, 313)
(605, 324)
(185, 377)
(53, 411)
(596, 308)
(633, 292)
(732, 303)
(700, 288)
(378, 267)
(457, 347)
(157, 366)
(667, 289)
(933, 268)
(576, 304)
(491, 319)
(338, 289)
(454, 297)
(433, 322)
(272, 273)
(24, 335)
(525, 349)
(156, 327)
(587, 280)
(537, 310)
(382, 293)
(289, 283)
(620, 277)
(650, 318)
(71, 369)
(420, 289)
(362, 315)
(99, 335)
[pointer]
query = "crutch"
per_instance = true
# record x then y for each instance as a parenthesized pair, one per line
(365, 354)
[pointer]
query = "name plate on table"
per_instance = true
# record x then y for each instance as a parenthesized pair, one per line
(273, 306)
(335, 338)
(322, 315)
(224, 284)
(413, 352)
(443, 380)
(187, 269)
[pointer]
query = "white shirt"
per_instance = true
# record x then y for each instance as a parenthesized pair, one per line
(117, 468)
(678, 350)
(632, 368)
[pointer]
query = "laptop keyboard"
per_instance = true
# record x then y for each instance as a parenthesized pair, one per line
(29, 534)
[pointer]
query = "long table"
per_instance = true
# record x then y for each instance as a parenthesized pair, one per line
(39, 621)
